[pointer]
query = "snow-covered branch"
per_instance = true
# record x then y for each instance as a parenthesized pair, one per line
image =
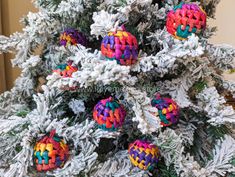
(213, 104)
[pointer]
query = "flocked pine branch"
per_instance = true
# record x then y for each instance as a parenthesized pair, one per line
(172, 150)
(221, 55)
(223, 154)
(213, 104)
(229, 85)
(103, 23)
(92, 71)
(172, 49)
(145, 114)
(9, 44)
(118, 166)
(85, 139)
(84, 136)
(187, 61)
(10, 104)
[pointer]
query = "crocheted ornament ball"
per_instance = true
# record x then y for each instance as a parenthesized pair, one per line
(121, 46)
(143, 154)
(66, 70)
(109, 114)
(168, 110)
(72, 37)
(186, 19)
(50, 152)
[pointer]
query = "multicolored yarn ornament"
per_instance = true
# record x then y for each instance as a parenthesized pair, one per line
(72, 37)
(186, 19)
(121, 46)
(109, 114)
(50, 152)
(168, 110)
(66, 70)
(143, 154)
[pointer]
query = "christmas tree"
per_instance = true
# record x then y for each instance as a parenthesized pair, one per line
(118, 88)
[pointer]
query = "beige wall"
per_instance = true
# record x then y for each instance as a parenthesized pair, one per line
(225, 21)
(13, 10)
(2, 65)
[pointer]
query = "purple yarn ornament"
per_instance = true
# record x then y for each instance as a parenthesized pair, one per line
(72, 37)
(168, 110)
(121, 46)
(143, 154)
(109, 114)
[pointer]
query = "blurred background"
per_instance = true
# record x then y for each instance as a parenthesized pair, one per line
(13, 10)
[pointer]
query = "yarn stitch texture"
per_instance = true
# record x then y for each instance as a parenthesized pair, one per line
(72, 37)
(186, 19)
(66, 70)
(120, 46)
(168, 110)
(109, 114)
(143, 154)
(50, 152)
